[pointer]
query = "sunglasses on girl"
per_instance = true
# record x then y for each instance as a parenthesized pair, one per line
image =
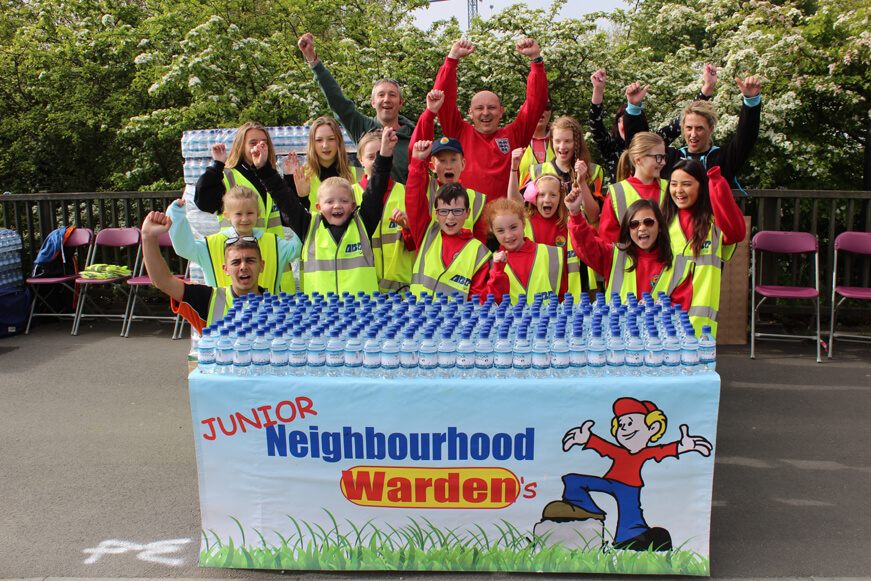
(235, 239)
(634, 224)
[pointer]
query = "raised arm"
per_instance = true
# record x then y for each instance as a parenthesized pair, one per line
(633, 121)
(372, 205)
(591, 206)
(593, 251)
(672, 131)
(416, 203)
(738, 150)
(425, 128)
(155, 224)
(536, 93)
(727, 215)
(449, 115)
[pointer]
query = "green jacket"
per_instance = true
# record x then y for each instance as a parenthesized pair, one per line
(356, 124)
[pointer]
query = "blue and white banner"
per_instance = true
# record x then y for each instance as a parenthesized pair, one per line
(602, 475)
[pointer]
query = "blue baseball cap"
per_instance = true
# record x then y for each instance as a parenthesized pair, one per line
(447, 144)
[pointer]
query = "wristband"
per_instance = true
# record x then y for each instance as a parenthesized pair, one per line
(538, 59)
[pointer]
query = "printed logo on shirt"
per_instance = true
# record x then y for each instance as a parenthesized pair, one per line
(358, 247)
(654, 280)
(706, 245)
(560, 241)
(503, 145)
(570, 254)
(461, 280)
(456, 254)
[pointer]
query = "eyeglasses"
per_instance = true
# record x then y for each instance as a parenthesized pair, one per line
(658, 157)
(634, 224)
(448, 211)
(236, 239)
(548, 107)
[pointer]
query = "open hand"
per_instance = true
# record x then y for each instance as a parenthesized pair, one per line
(577, 436)
(690, 443)
(260, 154)
(709, 76)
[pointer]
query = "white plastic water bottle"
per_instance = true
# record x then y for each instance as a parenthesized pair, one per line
(447, 355)
(616, 356)
(503, 355)
(335, 354)
(278, 355)
(316, 357)
(353, 354)
(707, 349)
(484, 354)
(206, 352)
(428, 361)
(224, 353)
(297, 353)
(409, 357)
(689, 353)
(522, 360)
(578, 350)
(560, 360)
(372, 354)
(260, 354)
(597, 357)
(653, 357)
(541, 354)
(466, 355)
(671, 352)
(242, 355)
(634, 362)
(390, 355)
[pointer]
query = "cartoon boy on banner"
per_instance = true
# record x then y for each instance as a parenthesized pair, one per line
(636, 426)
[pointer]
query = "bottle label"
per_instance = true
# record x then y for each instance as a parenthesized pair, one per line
(653, 359)
(242, 358)
(634, 358)
(597, 358)
(577, 358)
(353, 358)
(335, 359)
(689, 357)
(297, 358)
(390, 360)
(224, 357)
(316, 358)
(371, 360)
(503, 360)
(408, 359)
(278, 358)
(560, 360)
(616, 357)
(206, 356)
(707, 354)
(428, 360)
(671, 358)
(465, 360)
(484, 360)
(260, 357)
(541, 360)
(447, 360)
(522, 360)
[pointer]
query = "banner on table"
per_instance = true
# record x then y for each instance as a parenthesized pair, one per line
(606, 474)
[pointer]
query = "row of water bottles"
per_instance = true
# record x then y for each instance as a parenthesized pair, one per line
(10, 259)
(390, 336)
(285, 139)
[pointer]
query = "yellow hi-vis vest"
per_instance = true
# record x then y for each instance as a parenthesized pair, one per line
(267, 221)
(346, 266)
(528, 160)
(222, 300)
(393, 262)
(707, 273)
(477, 200)
(623, 195)
(268, 244)
(433, 275)
(575, 283)
(625, 282)
(545, 276)
(595, 174)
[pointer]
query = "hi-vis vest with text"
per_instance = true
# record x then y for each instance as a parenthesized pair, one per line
(707, 273)
(432, 275)
(577, 280)
(222, 300)
(625, 282)
(624, 195)
(346, 266)
(268, 221)
(393, 262)
(528, 160)
(268, 278)
(477, 200)
(595, 175)
(545, 276)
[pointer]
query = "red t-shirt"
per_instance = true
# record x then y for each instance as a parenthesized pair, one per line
(609, 223)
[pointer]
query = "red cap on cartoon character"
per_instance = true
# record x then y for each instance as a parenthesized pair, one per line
(629, 405)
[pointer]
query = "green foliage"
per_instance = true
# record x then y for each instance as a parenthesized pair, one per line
(96, 93)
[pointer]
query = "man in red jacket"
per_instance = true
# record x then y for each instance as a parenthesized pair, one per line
(488, 146)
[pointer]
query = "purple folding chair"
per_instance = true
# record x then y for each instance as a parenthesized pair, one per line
(857, 243)
(142, 279)
(80, 237)
(784, 243)
(111, 238)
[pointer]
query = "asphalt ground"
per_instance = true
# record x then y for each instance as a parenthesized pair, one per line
(98, 470)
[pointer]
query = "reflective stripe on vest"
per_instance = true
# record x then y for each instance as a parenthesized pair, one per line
(222, 300)
(269, 222)
(477, 200)
(268, 244)
(594, 174)
(348, 265)
(707, 272)
(668, 280)
(393, 262)
(430, 273)
(623, 195)
(577, 279)
(544, 276)
(528, 160)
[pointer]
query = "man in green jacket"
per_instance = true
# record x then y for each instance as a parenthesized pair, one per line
(386, 99)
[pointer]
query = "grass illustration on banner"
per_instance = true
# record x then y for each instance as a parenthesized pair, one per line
(422, 546)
